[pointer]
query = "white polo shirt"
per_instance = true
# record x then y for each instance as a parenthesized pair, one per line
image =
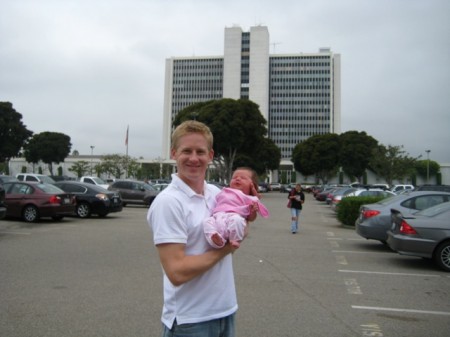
(176, 216)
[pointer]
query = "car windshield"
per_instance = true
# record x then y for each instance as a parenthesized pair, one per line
(99, 181)
(149, 187)
(393, 198)
(47, 180)
(48, 188)
(435, 210)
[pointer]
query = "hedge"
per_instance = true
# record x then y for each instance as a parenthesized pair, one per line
(348, 208)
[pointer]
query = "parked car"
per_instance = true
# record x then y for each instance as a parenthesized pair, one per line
(370, 193)
(322, 195)
(383, 187)
(2, 202)
(91, 199)
(375, 219)
(275, 186)
(336, 195)
(33, 177)
(94, 181)
(32, 201)
(424, 234)
(160, 187)
(6, 178)
(263, 187)
(398, 188)
(444, 188)
(134, 192)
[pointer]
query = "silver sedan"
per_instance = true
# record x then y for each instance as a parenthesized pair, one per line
(424, 234)
(375, 219)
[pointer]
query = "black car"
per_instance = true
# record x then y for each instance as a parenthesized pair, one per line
(134, 192)
(2, 202)
(92, 199)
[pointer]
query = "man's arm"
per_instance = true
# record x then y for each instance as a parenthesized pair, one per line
(181, 268)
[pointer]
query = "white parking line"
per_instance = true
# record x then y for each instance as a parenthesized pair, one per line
(385, 273)
(444, 313)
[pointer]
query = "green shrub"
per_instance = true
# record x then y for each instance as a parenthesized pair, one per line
(348, 209)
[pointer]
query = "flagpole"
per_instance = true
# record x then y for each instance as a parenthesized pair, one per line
(126, 144)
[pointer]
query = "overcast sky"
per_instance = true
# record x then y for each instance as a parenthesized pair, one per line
(90, 68)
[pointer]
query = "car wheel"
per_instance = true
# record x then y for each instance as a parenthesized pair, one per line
(442, 256)
(30, 213)
(83, 210)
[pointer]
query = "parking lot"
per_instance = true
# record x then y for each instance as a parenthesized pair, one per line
(101, 277)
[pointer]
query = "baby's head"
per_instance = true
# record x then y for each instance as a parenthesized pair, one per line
(244, 179)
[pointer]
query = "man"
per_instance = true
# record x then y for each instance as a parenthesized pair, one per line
(199, 290)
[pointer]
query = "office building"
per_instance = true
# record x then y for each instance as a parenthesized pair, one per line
(298, 94)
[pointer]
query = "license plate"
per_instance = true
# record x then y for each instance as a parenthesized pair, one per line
(66, 201)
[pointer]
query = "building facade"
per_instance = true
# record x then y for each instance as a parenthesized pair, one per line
(298, 94)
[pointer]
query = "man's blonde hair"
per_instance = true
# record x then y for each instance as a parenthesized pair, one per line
(188, 127)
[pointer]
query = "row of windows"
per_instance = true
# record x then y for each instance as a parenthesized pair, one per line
(193, 95)
(287, 86)
(296, 102)
(299, 58)
(324, 94)
(200, 73)
(300, 72)
(301, 65)
(196, 62)
(295, 115)
(296, 80)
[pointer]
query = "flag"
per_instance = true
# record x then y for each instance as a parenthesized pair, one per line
(126, 137)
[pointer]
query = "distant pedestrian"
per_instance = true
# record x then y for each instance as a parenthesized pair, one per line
(296, 200)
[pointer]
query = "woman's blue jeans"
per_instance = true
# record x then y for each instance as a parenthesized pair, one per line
(222, 327)
(295, 213)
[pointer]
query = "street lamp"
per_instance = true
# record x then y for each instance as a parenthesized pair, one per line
(92, 156)
(428, 164)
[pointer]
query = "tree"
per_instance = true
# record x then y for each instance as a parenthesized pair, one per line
(317, 155)
(354, 151)
(392, 162)
(50, 147)
(117, 165)
(425, 168)
(13, 133)
(80, 168)
(239, 131)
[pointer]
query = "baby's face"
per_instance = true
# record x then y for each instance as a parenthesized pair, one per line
(242, 180)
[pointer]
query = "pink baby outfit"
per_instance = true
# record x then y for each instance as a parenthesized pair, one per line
(229, 215)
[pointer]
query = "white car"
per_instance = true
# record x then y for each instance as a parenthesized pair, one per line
(398, 188)
(95, 181)
(32, 177)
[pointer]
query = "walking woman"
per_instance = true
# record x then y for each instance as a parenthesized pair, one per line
(296, 200)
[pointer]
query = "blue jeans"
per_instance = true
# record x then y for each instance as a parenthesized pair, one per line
(222, 327)
(295, 214)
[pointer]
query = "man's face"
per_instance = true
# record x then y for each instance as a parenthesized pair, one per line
(192, 157)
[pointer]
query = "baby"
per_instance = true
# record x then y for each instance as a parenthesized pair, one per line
(235, 206)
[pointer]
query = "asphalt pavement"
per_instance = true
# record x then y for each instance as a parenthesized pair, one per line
(102, 277)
